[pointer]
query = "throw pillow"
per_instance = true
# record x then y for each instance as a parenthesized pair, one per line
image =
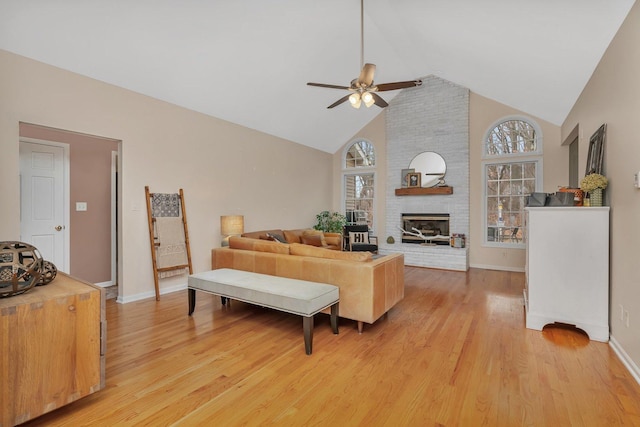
(319, 233)
(291, 236)
(311, 240)
(276, 237)
(358, 237)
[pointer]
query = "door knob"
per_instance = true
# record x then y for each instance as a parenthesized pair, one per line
(58, 227)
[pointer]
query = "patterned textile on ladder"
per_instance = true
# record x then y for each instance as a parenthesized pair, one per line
(165, 205)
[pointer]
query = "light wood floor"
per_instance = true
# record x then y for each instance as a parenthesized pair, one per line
(454, 352)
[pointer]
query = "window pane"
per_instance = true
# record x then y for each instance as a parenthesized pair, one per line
(511, 137)
(529, 186)
(529, 170)
(359, 199)
(360, 154)
(506, 193)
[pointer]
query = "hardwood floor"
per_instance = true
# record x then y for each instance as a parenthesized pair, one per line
(454, 352)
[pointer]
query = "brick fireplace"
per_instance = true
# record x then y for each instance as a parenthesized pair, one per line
(431, 226)
(432, 117)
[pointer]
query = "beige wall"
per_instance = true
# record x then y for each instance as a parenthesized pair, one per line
(223, 168)
(90, 182)
(612, 96)
(483, 113)
(374, 132)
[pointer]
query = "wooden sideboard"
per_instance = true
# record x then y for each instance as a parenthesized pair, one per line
(53, 348)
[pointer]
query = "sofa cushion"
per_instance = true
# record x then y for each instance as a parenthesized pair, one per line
(293, 236)
(312, 251)
(261, 233)
(249, 244)
(313, 240)
(315, 233)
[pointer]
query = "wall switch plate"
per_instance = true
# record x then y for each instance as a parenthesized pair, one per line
(81, 206)
(636, 180)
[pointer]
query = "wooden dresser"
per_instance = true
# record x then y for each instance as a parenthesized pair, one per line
(53, 342)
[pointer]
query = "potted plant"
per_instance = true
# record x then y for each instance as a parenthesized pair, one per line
(330, 222)
(594, 183)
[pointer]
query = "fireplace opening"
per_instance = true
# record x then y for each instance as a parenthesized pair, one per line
(428, 225)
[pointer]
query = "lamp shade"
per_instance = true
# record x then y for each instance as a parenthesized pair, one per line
(231, 225)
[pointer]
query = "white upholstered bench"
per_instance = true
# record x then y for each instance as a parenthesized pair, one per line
(280, 293)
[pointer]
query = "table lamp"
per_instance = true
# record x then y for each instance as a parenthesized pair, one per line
(231, 225)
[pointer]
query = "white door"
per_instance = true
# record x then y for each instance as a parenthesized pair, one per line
(42, 200)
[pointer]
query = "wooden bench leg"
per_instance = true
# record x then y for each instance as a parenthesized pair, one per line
(307, 326)
(360, 327)
(334, 318)
(192, 301)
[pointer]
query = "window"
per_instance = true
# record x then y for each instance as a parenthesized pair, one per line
(512, 171)
(358, 183)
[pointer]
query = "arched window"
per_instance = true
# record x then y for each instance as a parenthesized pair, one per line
(358, 182)
(512, 170)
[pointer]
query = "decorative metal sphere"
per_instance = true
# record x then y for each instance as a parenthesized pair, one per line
(49, 272)
(20, 268)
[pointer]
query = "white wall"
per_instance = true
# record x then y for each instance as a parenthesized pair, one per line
(222, 168)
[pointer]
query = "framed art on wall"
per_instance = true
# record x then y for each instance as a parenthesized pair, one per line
(405, 176)
(414, 179)
(596, 151)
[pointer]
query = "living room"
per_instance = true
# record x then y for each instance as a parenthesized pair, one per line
(226, 169)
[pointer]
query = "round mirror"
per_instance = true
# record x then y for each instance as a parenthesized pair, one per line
(431, 166)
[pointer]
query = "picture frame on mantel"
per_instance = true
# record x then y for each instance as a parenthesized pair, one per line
(414, 180)
(596, 151)
(405, 177)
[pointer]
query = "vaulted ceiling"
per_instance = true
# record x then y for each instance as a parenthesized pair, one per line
(248, 61)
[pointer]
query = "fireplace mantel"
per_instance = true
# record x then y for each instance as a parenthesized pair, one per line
(422, 191)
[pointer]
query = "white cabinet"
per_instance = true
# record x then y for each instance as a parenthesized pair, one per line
(567, 268)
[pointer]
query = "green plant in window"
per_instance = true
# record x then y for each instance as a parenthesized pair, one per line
(330, 222)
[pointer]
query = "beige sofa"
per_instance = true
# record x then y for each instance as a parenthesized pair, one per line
(368, 287)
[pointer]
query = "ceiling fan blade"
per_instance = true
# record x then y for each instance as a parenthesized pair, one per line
(366, 75)
(378, 100)
(328, 86)
(339, 101)
(398, 85)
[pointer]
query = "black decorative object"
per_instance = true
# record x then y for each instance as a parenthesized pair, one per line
(20, 268)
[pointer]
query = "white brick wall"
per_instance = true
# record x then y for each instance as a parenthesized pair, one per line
(432, 117)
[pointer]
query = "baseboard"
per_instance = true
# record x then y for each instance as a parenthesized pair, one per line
(497, 267)
(152, 294)
(625, 359)
(105, 284)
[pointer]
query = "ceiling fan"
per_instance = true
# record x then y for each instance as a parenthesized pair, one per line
(363, 88)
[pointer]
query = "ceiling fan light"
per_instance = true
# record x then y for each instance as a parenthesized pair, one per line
(355, 100)
(368, 100)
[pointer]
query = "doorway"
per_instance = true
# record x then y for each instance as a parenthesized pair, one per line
(90, 201)
(44, 198)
